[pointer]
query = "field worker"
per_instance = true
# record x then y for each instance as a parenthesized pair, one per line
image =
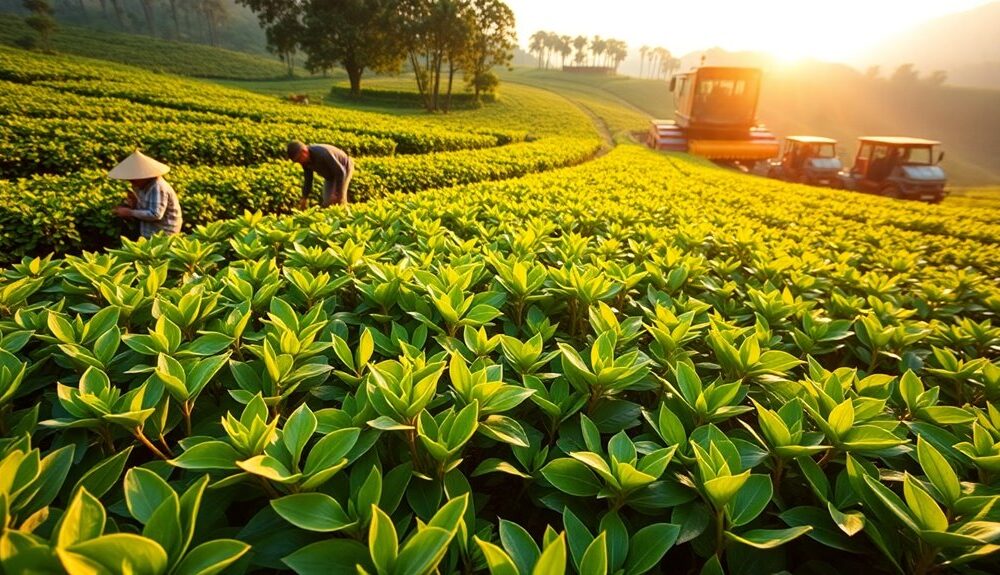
(331, 162)
(151, 200)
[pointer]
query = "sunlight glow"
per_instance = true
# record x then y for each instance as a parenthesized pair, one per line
(788, 29)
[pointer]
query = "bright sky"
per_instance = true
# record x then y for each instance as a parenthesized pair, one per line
(837, 30)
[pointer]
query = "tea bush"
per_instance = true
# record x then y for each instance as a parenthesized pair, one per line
(36, 146)
(637, 365)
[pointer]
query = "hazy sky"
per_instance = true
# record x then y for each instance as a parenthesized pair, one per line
(836, 30)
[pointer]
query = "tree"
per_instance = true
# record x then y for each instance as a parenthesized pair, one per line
(215, 14)
(537, 45)
(149, 14)
(905, 74)
(283, 38)
(642, 58)
(435, 33)
(492, 36)
(873, 72)
(662, 61)
(116, 5)
(617, 52)
(937, 78)
(551, 44)
(41, 21)
(175, 17)
(282, 24)
(597, 47)
(565, 48)
(580, 44)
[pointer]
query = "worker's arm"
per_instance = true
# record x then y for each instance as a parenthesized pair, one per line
(157, 206)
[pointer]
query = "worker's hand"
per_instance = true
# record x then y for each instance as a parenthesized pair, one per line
(303, 203)
(122, 211)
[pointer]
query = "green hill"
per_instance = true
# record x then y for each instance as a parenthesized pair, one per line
(148, 53)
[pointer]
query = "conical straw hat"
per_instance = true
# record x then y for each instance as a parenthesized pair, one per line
(138, 166)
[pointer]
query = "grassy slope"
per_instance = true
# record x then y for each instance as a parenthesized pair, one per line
(150, 53)
(517, 107)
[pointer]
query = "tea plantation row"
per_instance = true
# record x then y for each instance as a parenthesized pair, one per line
(70, 213)
(636, 365)
(67, 119)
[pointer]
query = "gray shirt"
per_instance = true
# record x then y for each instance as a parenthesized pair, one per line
(328, 161)
(158, 209)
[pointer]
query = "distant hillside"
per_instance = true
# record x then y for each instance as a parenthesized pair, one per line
(966, 45)
(154, 54)
(236, 28)
(839, 102)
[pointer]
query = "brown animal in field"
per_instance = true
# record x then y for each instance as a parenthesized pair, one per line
(299, 99)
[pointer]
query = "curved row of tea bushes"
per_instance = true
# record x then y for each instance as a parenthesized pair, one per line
(70, 213)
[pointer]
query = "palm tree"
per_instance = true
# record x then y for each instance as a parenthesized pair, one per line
(551, 44)
(662, 55)
(670, 64)
(565, 48)
(617, 52)
(537, 45)
(580, 43)
(666, 62)
(642, 58)
(597, 48)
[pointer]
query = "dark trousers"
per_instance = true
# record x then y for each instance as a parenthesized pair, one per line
(335, 190)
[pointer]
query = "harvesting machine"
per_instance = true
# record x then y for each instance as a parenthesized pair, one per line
(716, 117)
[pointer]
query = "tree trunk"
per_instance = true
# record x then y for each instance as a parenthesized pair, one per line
(147, 11)
(354, 73)
(176, 20)
(418, 73)
(436, 81)
(83, 11)
(116, 5)
(451, 78)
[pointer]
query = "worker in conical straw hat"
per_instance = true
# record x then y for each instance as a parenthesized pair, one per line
(151, 201)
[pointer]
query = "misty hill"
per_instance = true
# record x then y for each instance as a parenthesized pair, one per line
(181, 58)
(839, 102)
(226, 25)
(966, 45)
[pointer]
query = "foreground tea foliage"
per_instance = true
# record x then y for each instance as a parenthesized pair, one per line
(637, 365)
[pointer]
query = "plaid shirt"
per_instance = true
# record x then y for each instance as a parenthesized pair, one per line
(158, 209)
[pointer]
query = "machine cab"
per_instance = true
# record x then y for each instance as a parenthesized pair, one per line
(717, 97)
(807, 159)
(879, 159)
(898, 167)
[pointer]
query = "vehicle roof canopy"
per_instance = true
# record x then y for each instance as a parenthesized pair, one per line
(899, 141)
(811, 140)
(722, 71)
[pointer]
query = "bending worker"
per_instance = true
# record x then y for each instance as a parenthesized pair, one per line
(331, 162)
(151, 200)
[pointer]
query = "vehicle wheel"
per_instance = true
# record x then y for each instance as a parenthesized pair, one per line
(892, 192)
